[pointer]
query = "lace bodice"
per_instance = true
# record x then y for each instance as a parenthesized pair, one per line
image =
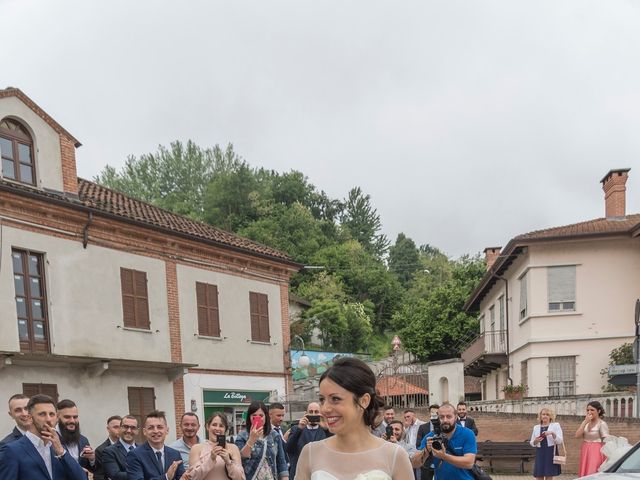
(318, 461)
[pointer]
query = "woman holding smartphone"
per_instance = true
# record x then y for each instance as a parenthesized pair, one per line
(216, 459)
(546, 436)
(261, 448)
(350, 405)
(593, 430)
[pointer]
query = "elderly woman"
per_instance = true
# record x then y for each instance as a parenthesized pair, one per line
(546, 436)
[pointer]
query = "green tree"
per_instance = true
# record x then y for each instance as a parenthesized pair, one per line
(173, 178)
(362, 222)
(344, 327)
(432, 326)
(404, 259)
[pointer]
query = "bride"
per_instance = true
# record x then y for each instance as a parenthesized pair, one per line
(349, 404)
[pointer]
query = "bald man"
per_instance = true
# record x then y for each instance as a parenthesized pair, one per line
(309, 429)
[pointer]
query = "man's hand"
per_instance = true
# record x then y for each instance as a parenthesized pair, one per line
(49, 434)
(302, 424)
(171, 471)
(88, 453)
(436, 453)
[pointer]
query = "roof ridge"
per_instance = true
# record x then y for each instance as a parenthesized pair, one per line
(629, 217)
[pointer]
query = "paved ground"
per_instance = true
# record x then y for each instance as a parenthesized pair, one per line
(525, 476)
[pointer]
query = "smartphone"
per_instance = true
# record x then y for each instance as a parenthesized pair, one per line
(313, 418)
(389, 432)
(257, 422)
(221, 440)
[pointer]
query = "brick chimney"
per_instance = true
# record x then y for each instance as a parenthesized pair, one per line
(614, 188)
(491, 255)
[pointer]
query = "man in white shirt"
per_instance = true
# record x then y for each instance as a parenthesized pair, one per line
(20, 414)
(39, 454)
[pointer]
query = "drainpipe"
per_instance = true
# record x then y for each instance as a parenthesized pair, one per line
(506, 310)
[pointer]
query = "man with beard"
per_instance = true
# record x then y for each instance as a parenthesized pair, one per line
(20, 414)
(308, 430)
(388, 417)
(457, 452)
(39, 454)
(114, 458)
(113, 431)
(465, 420)
(189, 424)
(72, 440)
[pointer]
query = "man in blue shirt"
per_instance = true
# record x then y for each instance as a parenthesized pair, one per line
(457, 455)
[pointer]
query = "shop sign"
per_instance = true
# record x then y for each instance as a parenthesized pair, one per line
(235, 397)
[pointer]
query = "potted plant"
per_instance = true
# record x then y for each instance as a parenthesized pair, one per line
(514, 392)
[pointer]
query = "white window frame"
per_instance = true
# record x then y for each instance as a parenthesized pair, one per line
(561, 288)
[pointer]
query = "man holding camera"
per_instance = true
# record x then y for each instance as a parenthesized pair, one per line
(449, 446)
(308, 430)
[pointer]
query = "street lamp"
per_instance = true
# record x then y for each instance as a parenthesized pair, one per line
(304, 359)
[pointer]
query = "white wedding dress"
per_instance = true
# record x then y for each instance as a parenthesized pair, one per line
(387, 462)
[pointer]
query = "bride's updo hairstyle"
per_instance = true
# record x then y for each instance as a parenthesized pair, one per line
(355, 376)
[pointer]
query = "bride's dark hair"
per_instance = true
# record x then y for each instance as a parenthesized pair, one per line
(355, 376)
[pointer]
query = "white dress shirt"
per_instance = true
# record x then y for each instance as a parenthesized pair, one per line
(43, 449)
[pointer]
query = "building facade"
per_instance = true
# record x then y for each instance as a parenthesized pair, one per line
(554, 303)
(122, 306)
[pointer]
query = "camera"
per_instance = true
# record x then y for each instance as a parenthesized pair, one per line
(439, 440)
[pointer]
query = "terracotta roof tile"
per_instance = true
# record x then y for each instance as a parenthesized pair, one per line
(102, 199)
(111, 201)
(390, 386)
(590, 227)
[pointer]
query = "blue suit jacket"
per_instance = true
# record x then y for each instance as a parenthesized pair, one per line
(12, 437)
(20, 460)
(114, 462)
(142, 463)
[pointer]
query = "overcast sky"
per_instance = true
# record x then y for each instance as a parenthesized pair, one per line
(468, 122)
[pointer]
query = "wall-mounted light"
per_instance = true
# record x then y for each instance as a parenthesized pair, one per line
(194, 405)
(304, 361)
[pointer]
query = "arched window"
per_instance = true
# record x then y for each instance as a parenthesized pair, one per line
(16, 149)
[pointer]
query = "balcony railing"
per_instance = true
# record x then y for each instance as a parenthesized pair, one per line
(492, 342)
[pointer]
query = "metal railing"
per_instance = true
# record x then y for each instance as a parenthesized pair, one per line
(494, 341)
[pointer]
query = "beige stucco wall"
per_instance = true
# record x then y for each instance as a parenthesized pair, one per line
(234, 350)
(85, 299)
(97, 397)
(446, 375)
(46, 142)
(607, 285)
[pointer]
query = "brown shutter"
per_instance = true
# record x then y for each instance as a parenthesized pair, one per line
(264, 317)
(50, 389)
(259, 308)
(142, 400)
(128, 298)
(213, 312)
(142, 300)
(135, 300)
(255, 317)
(201, 304)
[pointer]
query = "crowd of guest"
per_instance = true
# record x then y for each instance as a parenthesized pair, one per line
(46, 442)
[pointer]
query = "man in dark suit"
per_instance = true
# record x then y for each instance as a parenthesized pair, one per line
(20, 414)
(114, 458)
(72, 440)
(113, 432)
(464, 419)
(39, 454)
(153, 460)
(308, 430)
(426, 470)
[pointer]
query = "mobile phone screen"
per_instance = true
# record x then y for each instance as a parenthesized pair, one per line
(221, 440)
(257, 422)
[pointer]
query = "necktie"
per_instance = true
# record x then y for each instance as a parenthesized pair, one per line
(159, 455)
(132, 447)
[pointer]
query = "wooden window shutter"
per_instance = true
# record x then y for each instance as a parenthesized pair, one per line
(259, 307)
(208, 313)
(135, 299)
(142, 400)
(50, 389)
(142, 300)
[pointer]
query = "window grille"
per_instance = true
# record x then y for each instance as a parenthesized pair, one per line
(562, 376)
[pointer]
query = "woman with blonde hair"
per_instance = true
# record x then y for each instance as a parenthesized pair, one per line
(546, 436)
(593, 430)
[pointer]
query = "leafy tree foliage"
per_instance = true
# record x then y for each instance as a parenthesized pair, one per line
(404, 259)
(362, 222)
